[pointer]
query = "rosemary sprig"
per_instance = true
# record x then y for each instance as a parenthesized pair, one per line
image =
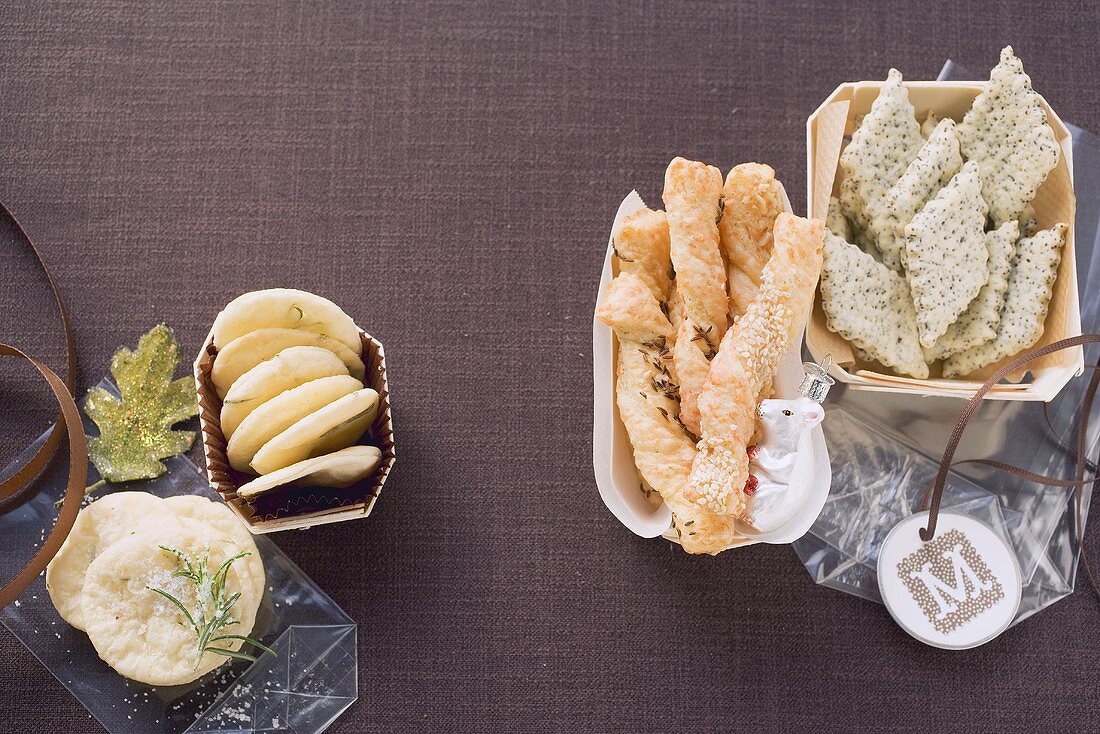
(214, 607)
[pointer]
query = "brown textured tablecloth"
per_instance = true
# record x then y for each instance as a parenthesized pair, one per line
(448, 173)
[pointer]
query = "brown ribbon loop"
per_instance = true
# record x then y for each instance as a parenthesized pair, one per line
(34, 466)
(74, 491)
(946, 462)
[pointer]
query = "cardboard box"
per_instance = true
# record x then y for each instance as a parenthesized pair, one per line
(826, 129)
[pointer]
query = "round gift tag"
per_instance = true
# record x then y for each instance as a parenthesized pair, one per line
(959, 590)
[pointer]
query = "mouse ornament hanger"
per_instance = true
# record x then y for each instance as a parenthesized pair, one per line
(780, 464)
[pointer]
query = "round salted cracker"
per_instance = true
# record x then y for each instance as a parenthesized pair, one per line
(335, 426)
(245, 352)
(222, 520)
(284, 308)
(281, 412)
(102, 523)
(341, 468)
(143, 635)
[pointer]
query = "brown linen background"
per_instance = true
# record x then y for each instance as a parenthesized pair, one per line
(448, 174)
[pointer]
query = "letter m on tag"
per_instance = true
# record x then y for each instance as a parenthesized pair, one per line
(950, 582)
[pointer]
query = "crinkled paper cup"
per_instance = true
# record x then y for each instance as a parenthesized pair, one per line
(1054, 202)
(295, 508)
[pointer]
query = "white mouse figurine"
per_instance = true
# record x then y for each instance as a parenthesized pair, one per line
(779, 471)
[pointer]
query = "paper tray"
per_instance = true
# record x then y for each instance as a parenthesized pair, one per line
(613, 456)
(299, 508)
(1054, 202)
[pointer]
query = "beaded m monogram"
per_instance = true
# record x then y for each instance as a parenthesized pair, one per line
(950, 581)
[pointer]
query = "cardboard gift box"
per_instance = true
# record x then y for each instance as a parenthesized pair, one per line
(295, 508)
(826, 131)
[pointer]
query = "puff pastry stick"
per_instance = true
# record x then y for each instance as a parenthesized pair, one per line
(692, 194)
(663, 453)
(691, 367)
(641, 245)
(749, 356)
(752, 199)
(631, 310)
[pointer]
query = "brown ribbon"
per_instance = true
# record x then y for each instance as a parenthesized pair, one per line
(68, 418)
(74, 491)
(34, 466)
(1083, 463)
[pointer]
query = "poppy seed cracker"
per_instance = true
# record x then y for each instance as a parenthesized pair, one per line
(882, 148)
(1007, 133)
(936, 163)
(868, 304)
(1030, 287)
(978, 323)
(946, 254)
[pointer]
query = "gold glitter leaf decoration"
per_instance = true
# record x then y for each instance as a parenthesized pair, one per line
(135, 433)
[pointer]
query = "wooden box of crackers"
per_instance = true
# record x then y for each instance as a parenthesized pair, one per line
(305, 507)
(827, 131)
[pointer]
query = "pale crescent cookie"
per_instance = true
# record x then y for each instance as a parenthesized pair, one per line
(1030, 287)
(341, 468)
(868, 304)
(245, 352)
(631, 309)
(978, 323)
(692, 194)
(748, 357)
(287, 369)
(284, 308)
(1006, 132)
(663, 453)
(691, 367)
(751, 200)
(101, 524)
(882, 147)
(335, 426)
(836, 222)
(219, 517)
(140, 633)
(945, 254)
(936, 164)
(641, 245)
(281, 412)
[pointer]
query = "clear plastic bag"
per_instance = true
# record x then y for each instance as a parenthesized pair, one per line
(885, 451)
(310, 681)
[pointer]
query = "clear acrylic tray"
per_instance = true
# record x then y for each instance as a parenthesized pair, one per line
(310, 681)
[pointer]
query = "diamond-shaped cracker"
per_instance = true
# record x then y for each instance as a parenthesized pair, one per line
(868, 304)
(1030, 286)
(882, 147)
(936, 163)
(946, 255)
(978, 323)
(1007, 133)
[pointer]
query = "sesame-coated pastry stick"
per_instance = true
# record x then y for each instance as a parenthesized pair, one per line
(749, 356)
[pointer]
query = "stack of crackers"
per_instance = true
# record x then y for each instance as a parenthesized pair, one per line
(932, 259)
